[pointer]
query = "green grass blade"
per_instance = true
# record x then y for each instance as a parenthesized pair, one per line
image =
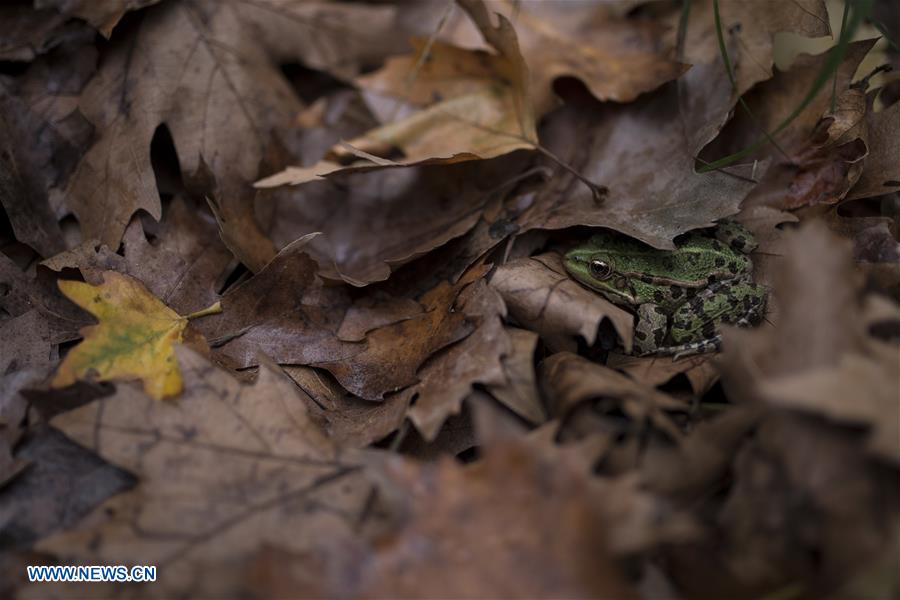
(861, 9)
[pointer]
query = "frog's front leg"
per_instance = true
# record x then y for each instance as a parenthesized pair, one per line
(650, 329)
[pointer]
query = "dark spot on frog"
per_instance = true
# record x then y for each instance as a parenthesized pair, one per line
(669, 264)
(720, 262)
(676, 293)
(620, 283)
(640, 335)
(646, 279)
(658, 296)
(733, 268)
(739, 243)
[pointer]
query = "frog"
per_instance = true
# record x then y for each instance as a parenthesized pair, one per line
(680, 297)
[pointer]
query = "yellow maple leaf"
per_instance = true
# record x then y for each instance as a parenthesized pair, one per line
(134, 337)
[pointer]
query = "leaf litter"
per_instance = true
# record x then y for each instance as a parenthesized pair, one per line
(285, 313)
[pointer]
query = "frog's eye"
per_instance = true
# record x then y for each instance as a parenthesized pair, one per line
(601, 269)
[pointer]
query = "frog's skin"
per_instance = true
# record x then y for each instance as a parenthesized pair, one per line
(680, 296)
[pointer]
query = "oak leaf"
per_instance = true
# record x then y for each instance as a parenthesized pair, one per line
(133, 340)
(209, 72)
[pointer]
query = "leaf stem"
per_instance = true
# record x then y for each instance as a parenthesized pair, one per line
(213, 309)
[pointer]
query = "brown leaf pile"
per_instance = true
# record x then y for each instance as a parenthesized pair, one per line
(357, 211)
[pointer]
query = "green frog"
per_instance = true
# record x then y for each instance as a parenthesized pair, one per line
(680, 296)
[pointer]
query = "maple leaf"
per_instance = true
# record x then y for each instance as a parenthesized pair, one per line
(478, 105)
(134, 339)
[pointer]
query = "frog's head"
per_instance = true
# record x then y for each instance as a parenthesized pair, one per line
(594, 265)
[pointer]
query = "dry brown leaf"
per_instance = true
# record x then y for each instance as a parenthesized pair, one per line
(28, 33)
(448, 376)
(858, 391)
(698, 370)
(568, 380)
(822, 489)
(617, 58)
(223, 471)
(701, 459)
(478, 106)
(102, 14)
(880, 174)
(542, 297)
(535, 539)
(390, 357)
(639, 152)
(749, 28)
(288, 313)
(209, 72)
(519, 392)
(372, 223)
(184, 265)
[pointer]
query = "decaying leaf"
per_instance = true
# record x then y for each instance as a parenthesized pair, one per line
(228, 469)
(618, 58)
(102, 14)
(881, 175)
(795, 459)
(374, 223)
(638, 152)
(569, 380)
(543, 298)
(707, 95)
(519, 391)
(208, 71)
(447, 378)
(134, 338)
(552, 534)
(478, 105)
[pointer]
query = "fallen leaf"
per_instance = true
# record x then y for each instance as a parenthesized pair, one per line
(569, 380)
(29, 33)
(618, 58)
(230, 468)
(133, 340)
(390, 357)
(639, 152)
(478, 106)
(749, 28)
(542, 297)
(518, 525)
(449, 376)
(374, 223)
(858, 391)
(794, 459)
(519, 391)
(880, 174)
(698, 370)
(101, 14)
(62, 483)
(209, 72)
